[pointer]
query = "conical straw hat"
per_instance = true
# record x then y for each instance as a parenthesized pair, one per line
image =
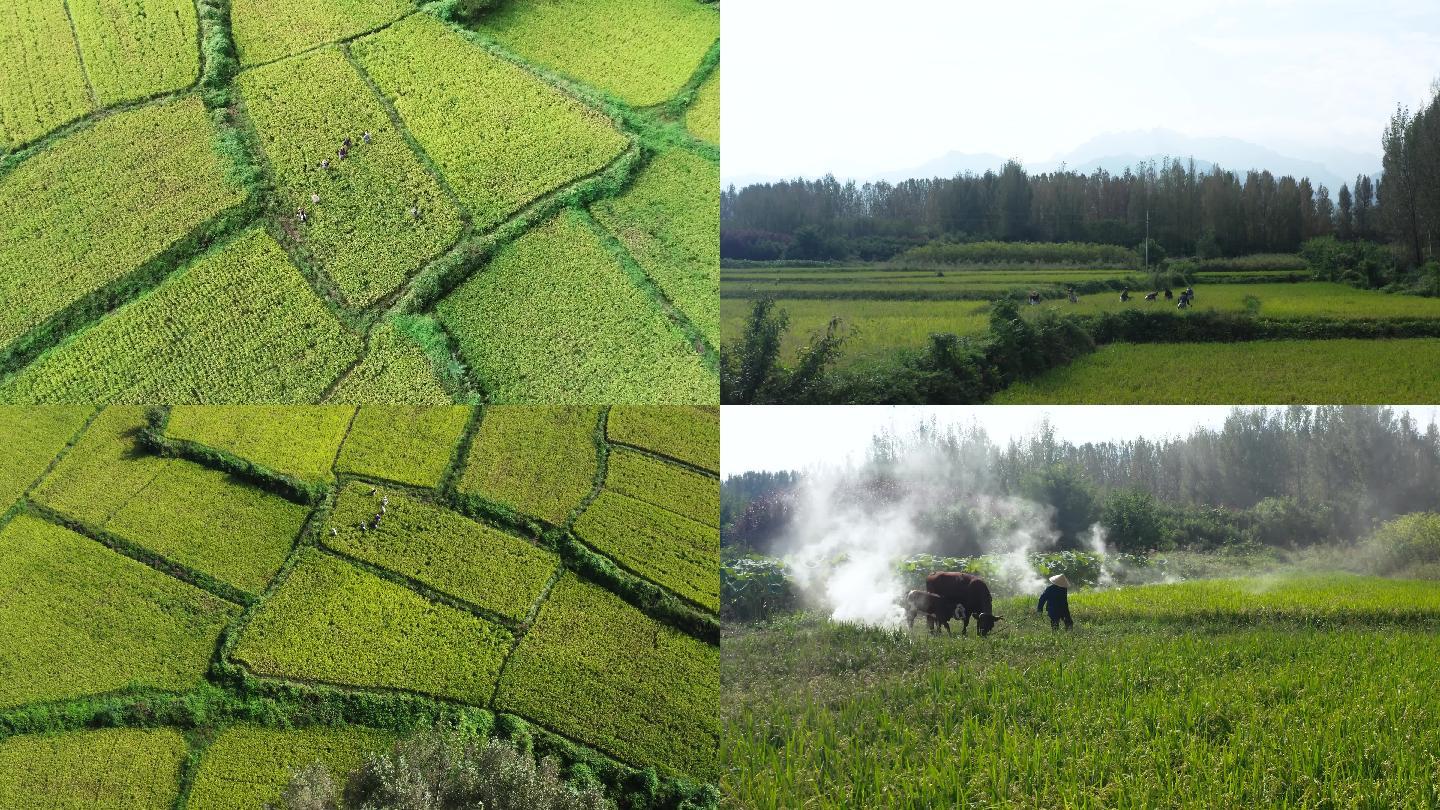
(1059, 579)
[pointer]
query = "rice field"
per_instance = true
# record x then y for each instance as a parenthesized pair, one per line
(407, 444)
(1260, 372)
(690, 434)
(1315, 299)
(42, 84)
(269, 30)
(302, 442)
(667, 548)
(503, 467)
(248, 766)
(703, 117)
(132, 768)
(1259, 693)
(138, 48)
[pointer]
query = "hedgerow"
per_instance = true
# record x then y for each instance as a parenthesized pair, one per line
(267, 30)
(103, 471)
(32, 438)
(668, 486)
(204, 519)
(506, 465)
(121, 767)
(331, 622)
(643, 51)
(84, 620)
(953, 253)
(238, 325)
(658, 544)
(95, 207)
(665, 221)
(500, 136)
(407, 444)
(42, 84)
(628, 685)
(398, 367)
(301, 442)
(138, 50)
(554, 318)
(690, 434)
(441, 549)
(247, 767)
(361, 233)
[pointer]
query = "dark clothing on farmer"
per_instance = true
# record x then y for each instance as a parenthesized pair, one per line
(1056, 601)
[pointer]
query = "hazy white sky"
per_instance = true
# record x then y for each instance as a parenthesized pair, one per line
(861, 87)
(788, 437)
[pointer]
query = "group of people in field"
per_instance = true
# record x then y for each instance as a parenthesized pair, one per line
(958, 595)
(1187, 296)
(343, 153)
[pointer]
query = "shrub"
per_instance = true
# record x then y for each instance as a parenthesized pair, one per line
(1406, 542)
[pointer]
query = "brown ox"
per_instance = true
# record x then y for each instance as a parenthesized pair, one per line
(938, 611)
(971, 596)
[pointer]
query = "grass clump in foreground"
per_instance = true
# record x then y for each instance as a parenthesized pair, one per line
(446, 551)
(331, 622)
(238, 325)
(248, 767)
(555, 318)
(1263, 692)
(403, 443)
(506, 463)
(296, 441)
(80, 770)
(1260, 372)
(627, 685)
(80, 619)
(690, 434)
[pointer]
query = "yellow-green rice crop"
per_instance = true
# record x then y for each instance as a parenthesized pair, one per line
(640, 50)
(703, 117)
(446, 551)
(394, 369)
(207, 520)
(80, 619)
(32, 439)
(332, 622)
(249, 766)
(501, 136)
(42, 84)
(137, 769)
(539, 461)
(96, 205)
(361, 232)
(668, 486)
(554, 318)
(104, 469)
(691, 435)
(1260, 372)
(594, 668)
(296, 441)
(403, 443)
(266, 30)
(658, 544)
(1317, 299)
(878, 327)
(667, 220)
(136, 48)
(238, 325)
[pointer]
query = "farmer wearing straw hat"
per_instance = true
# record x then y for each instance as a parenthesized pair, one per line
(1056, 601)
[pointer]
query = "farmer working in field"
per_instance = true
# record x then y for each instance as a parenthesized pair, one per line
(1056, 601)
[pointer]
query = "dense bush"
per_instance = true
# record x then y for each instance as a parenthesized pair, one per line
(1358, 263)
(1407, 543)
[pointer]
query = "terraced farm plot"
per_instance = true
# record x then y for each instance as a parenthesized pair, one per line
(504, 466)
(1318, 299)
(136, 48)
(332, 622)
(643, 51)
(668, 486)
(96, 205)
(634, 688)
(138, 769)
(238, 325)
(395, 369)
(248, 766)
(666, 220)
(1260, 372)
(403, 443)
(500, 136)
(85, 620)
(361, 232)
(42, 84)
(104, 469)
(301, 442)
(446, 551)
(32, 439)
(690, 434)
(703, 117)
(658, 544)
(880, 282)
(554, 318)
(266, 30)
(207, 520)
(879, 327)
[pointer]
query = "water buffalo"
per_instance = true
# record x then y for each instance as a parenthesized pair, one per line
(970, 594)
(938, 611)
